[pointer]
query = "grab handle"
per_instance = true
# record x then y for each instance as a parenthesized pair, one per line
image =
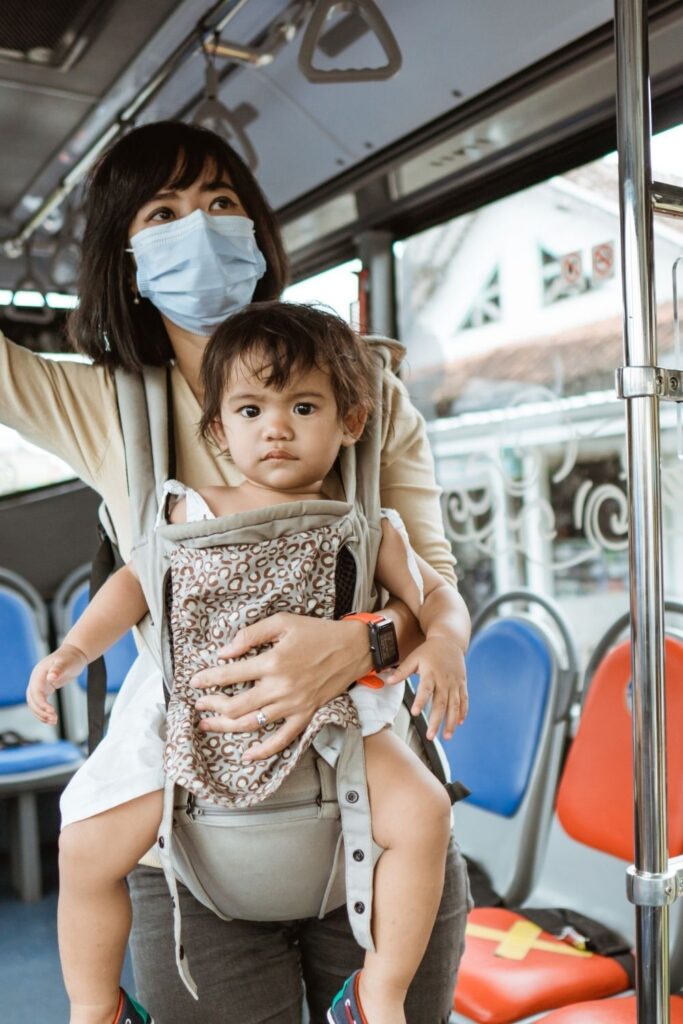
(374, 18)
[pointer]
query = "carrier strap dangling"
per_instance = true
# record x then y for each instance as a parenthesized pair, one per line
(103, 564)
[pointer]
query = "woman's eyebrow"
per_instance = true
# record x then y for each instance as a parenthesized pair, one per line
(213, 186)
(208, 186)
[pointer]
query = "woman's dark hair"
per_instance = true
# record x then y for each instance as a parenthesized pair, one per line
(107, 325)
(284, 338)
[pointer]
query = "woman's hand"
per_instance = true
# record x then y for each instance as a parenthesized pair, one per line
(311, 661)
(51, 673)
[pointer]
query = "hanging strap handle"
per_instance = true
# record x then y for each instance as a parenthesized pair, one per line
(374, 18)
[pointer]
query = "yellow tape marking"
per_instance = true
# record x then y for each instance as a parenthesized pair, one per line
(515, 943)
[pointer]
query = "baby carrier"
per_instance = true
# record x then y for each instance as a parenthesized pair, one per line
(288, 837)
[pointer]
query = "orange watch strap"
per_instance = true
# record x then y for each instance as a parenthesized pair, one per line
(365, 616)
(371, 680)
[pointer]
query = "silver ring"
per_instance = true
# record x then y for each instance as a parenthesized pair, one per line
(261, 719)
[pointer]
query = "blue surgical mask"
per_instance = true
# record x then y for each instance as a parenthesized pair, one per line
(199, 269)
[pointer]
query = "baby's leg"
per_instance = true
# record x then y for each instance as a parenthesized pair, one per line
(411, 820)
(94, 915)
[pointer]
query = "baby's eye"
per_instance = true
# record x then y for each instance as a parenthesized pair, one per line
(249, 412)
(304, 408)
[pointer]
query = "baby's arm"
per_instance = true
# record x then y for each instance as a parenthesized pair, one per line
(445, 622)
(117, 606)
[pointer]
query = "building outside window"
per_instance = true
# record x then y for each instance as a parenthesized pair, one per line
(512, 319)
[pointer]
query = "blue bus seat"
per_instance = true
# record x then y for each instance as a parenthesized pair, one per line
(68, 605)
(511, 970)
(522, 679)
(32, 758)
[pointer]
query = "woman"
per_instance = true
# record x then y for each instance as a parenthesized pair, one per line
(248, 972)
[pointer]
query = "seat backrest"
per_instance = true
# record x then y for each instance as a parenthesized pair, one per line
(509, 750)
(23, 642)
(118, 658)
(510, 670)
(591, 838)
(68, 605)
(595, 798)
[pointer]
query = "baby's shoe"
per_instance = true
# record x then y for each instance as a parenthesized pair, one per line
(346, 1008)
(130, 1012)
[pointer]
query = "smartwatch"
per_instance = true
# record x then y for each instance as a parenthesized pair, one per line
(383, 645)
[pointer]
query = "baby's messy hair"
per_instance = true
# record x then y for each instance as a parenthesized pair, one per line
(293, 338)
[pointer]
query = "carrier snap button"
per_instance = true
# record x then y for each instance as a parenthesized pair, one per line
(358, 855)
(352, 796)
(161, 842)
(359, 907)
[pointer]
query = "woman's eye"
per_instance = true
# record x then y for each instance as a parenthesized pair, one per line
(162, 214)
(249, 411)
(304, 408)
(223, 203)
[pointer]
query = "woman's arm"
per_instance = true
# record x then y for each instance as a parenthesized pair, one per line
(116, 607)
(64, 406)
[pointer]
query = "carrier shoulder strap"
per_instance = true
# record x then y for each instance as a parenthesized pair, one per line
(145, 407)
(145, 404)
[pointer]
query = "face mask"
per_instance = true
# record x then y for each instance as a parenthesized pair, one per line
(199, 269)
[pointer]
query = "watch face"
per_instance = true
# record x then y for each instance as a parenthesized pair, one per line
(387, 648)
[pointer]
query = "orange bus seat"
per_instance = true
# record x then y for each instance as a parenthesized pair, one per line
(595, 798)
(511, 970)
(611, 1011)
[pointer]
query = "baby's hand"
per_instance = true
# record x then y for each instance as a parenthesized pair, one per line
(51, 673)
(440, 663)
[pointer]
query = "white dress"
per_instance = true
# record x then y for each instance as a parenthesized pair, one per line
(129, 760)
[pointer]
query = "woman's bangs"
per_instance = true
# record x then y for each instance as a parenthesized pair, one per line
(198, 161)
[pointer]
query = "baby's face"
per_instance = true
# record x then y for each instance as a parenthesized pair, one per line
(283, 440)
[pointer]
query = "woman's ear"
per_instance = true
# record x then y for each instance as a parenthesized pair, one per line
(353, 425)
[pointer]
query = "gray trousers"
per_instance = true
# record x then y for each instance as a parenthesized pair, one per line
(251, 972)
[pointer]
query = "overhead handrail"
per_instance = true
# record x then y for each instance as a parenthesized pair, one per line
(213, 113)
(29, 282)
(213, 21)
(374, 18)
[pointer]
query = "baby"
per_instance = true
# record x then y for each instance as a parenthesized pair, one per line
(286, 388)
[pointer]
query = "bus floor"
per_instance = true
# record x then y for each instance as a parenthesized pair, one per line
(30, 976)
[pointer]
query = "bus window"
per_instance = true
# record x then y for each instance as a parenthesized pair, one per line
(512, 319)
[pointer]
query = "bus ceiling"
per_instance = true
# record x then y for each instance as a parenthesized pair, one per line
(369, 109)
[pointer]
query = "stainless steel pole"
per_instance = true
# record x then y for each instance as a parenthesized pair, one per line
(645, 534)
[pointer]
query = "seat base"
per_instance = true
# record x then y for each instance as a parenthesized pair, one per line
(608, 1011)
(512, 970)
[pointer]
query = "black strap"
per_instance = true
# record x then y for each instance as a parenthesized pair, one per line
(456, 790)
(103, 564)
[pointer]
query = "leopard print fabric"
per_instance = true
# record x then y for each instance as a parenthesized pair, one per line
(215, 591)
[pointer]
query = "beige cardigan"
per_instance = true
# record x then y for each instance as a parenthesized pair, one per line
(69, 408)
